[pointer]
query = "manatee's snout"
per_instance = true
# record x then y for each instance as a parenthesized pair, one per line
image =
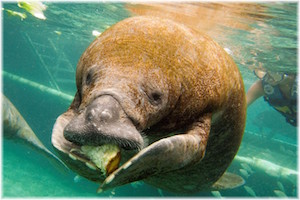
(103, 121)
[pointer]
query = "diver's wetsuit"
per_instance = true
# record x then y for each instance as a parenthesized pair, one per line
(287, 107)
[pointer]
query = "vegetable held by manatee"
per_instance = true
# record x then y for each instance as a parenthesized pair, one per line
(106, 157)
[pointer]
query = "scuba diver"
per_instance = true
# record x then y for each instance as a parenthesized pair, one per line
(279, 90)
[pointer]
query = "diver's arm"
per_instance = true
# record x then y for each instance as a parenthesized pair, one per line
(255, 91)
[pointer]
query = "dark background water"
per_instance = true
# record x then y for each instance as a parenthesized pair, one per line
(47, 52)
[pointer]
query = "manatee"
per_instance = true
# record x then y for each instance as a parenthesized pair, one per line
(17, 129)
(169, 96)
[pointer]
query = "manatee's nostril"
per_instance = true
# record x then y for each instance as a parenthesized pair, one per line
(96, 114)
(105, 115)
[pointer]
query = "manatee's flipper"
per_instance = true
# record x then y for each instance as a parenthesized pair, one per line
(165, 155)
(17, 129)
(228, 181)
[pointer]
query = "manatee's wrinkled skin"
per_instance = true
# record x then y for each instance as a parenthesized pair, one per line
(167, 94)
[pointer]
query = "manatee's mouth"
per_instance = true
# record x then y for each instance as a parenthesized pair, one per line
(71, 153)
(77, 159)
(103, 123)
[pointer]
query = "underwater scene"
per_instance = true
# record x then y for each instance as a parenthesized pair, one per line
(42, 43)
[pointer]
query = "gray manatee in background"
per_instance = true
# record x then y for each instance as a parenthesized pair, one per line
(168, 95)
(16, 128)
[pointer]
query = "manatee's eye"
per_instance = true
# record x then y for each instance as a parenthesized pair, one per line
(88, 79)
(156, 98)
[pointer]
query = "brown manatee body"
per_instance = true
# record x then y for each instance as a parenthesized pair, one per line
(169, 96)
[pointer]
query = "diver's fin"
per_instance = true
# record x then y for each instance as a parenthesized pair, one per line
(228, 181)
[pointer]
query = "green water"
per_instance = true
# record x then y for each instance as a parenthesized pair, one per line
(47, 52)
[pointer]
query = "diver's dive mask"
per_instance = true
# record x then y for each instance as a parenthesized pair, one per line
(270, 77)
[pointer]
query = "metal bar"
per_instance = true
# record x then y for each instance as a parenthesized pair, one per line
(38, 86)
